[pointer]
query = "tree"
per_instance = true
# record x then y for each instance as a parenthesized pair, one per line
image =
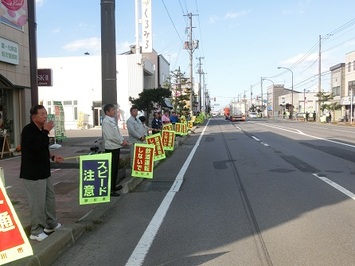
(324, 100)
(326, 103)
(181, 93)
(150, 97)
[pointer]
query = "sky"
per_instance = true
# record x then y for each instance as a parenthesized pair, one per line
(240, 41)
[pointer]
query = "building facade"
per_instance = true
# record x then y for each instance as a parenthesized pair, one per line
(15, 93)
(77, 85)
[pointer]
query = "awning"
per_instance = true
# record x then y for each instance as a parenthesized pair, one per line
(166, 103)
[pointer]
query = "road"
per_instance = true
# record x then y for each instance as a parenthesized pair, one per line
(255, 193)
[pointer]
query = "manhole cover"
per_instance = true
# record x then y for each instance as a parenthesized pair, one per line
(157, 186)
(63, 188)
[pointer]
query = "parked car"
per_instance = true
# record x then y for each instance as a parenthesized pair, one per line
(253, 114)
(300, 116)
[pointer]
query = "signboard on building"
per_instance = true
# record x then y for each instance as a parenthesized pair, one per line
(44, 77)
(9, 52)
(147, 40)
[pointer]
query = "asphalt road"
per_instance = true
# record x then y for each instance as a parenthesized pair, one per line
(255, 193)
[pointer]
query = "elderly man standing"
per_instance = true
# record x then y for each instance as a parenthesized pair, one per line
(35, 172)
(113, 140)
(136, 130)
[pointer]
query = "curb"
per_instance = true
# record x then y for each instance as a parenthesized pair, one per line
(48, 251)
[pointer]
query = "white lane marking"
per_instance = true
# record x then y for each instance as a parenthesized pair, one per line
(255, 138)
(261, 142)
(296, 131)
(139, 253)
(336, 186)
(8, 187)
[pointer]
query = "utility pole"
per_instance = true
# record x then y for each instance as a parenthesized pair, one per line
(319, 74)
(262, 98)
(191, 46)
(205, 109)
(108, 52)
(32, 37)
(199, 71)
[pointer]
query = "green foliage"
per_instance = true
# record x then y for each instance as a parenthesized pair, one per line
(149, 97)
(181, 93)
(324, 99)
(200, 119)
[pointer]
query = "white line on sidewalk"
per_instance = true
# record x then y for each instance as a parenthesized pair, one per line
(336, 186)
(144, 244)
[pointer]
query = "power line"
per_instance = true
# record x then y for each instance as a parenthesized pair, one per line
(172, 22)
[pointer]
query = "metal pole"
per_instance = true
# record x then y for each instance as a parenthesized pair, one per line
(319, 74)
(191, 66)
(351, 107)
(108, 52)
(32, 38)
(304, 100)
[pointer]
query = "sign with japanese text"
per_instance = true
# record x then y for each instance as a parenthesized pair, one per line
(168, 126)
(190, 124)
(178, 128)
(14, 243)
(95, 178)
(159, 152)
(9, 51)
(59, 120)
(143, 164)
(147, 40)
(44, 77)
(168, 139)
(183, 129)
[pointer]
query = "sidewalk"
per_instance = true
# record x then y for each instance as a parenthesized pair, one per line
(75, 218)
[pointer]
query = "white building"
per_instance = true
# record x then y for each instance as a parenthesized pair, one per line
(77, 84)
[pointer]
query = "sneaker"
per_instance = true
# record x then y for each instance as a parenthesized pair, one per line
(51, 230)
(39, 237)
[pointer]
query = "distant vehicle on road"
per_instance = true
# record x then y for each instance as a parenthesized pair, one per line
(227, 113)
(300, 116)
(253, 114)
(237, 117)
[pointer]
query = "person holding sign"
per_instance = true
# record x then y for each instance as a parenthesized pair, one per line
(35, 172)
(136, 131)
(156, 123)
(113, 140)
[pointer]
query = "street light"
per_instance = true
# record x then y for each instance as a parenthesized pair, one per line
(292, 88)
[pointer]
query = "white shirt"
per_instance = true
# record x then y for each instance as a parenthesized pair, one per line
(112, 136)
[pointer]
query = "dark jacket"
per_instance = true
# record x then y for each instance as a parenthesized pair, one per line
(156, 125)
(35, 162)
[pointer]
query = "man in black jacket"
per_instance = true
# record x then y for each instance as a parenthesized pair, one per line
(36, 172)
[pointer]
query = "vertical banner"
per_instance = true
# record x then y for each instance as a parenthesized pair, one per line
(178, 128)
(147, 40)
(183, 129)
(168, 126)
(155, 140)
(143, 164)
(14, 243)
(95, 178)
(168, 139)
(190, 124)
(59, 121)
